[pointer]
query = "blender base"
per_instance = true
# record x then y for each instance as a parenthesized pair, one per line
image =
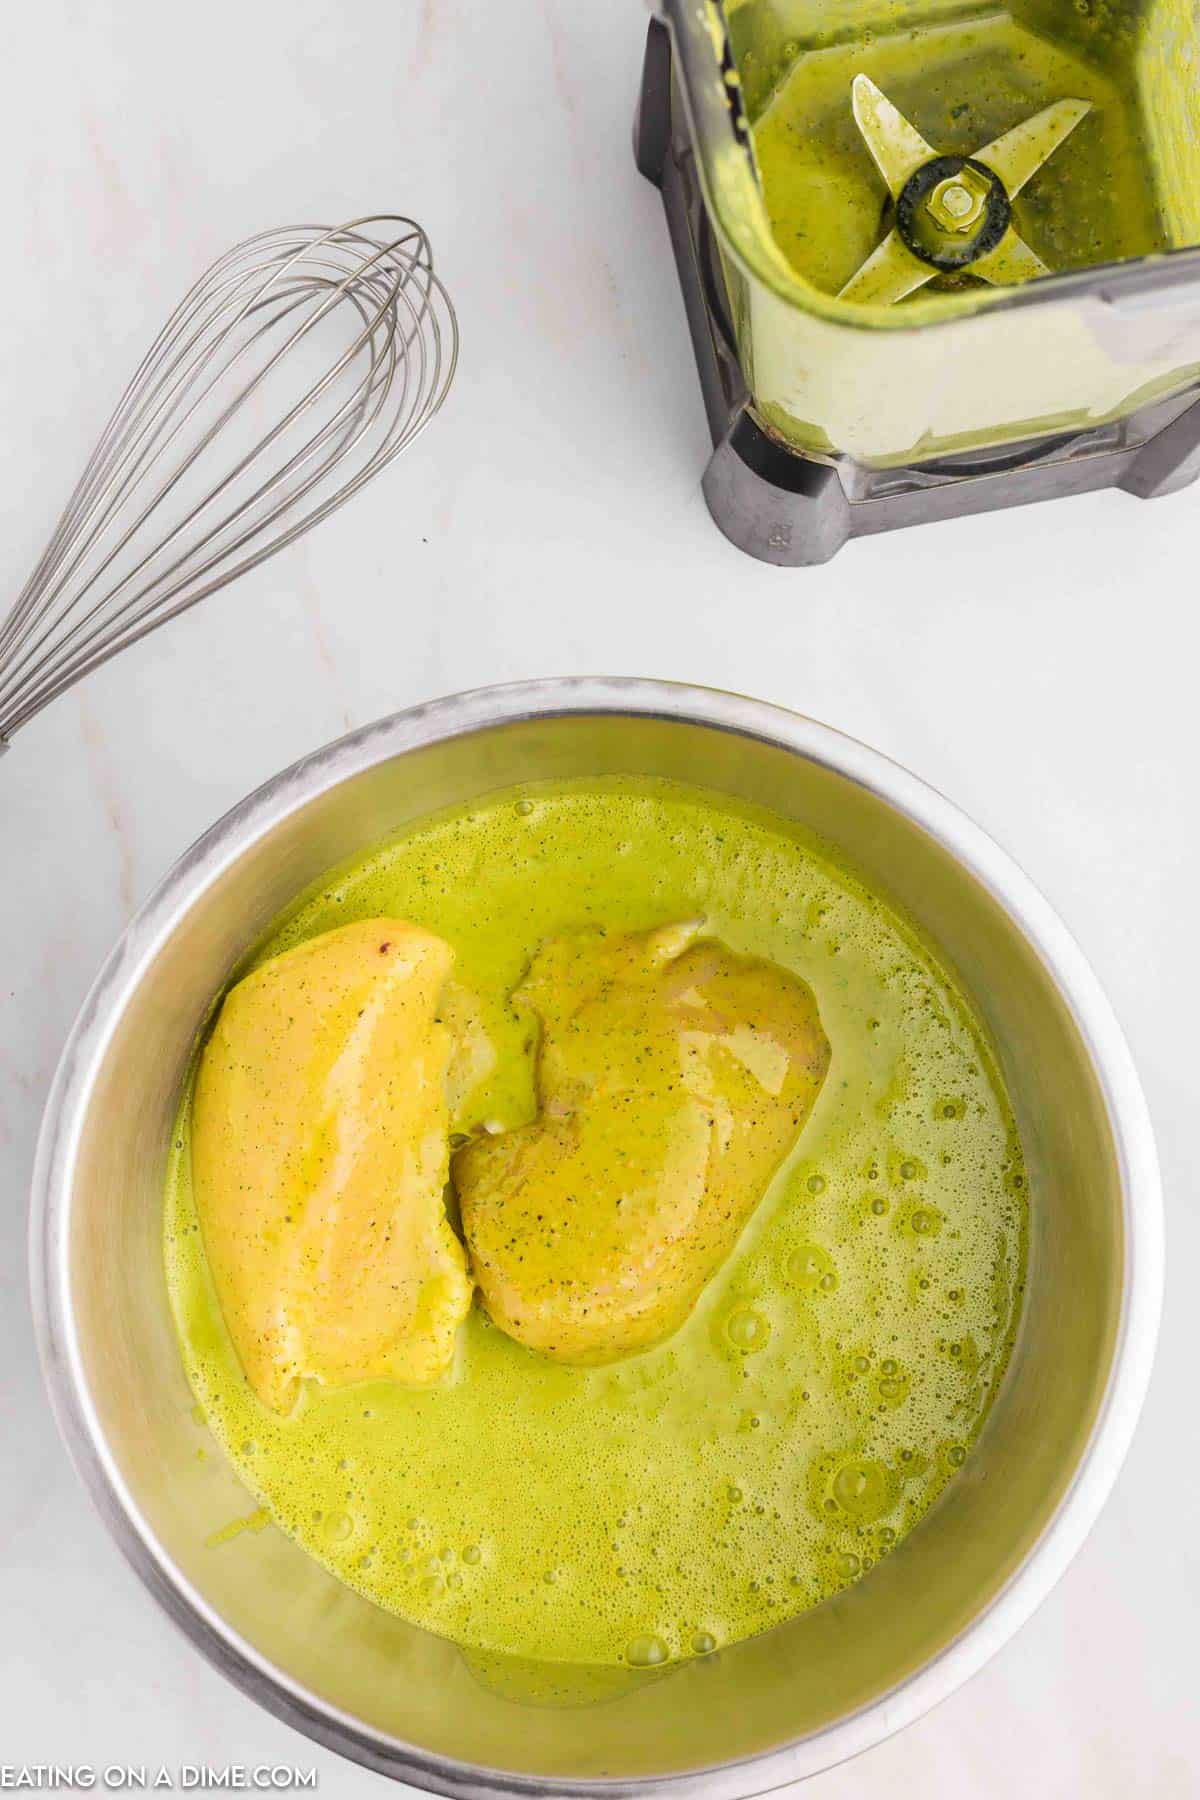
(784, 507)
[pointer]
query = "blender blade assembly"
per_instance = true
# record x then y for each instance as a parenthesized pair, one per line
(953, 214)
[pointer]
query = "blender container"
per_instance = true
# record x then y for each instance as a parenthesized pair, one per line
(750, 104)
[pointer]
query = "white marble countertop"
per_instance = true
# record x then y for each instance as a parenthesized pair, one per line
(1040, 667)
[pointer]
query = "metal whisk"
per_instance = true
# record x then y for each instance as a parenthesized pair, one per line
(301, 364)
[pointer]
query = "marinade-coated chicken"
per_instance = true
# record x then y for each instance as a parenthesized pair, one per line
(319, 1161)
(673, 1077)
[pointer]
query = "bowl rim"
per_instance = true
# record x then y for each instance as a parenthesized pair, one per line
(464, 714)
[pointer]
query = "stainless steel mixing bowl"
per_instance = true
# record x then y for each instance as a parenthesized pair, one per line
(764, 1712)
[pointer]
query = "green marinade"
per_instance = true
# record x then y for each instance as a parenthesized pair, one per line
(834, 1373)
(961, 84)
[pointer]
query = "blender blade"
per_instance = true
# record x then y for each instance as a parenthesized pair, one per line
(1021, 152)
(1011, 261)
(889, 273)
(897, 148)
(953, 212)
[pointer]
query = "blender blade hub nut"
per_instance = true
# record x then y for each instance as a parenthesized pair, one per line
(952, 211)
